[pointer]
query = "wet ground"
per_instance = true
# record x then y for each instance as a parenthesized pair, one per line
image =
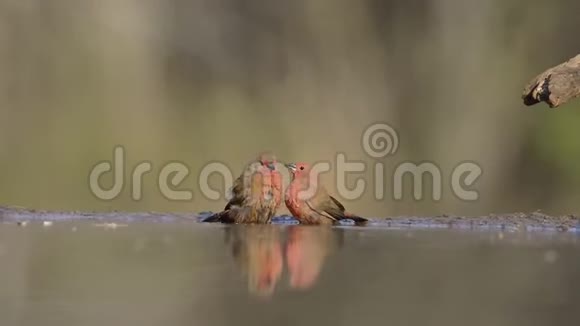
(535, 221)
(160, 269)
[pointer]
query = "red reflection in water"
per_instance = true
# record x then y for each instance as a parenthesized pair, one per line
(259, 250)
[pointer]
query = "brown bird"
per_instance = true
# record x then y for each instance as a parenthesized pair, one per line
(256, 194)
(317, 207)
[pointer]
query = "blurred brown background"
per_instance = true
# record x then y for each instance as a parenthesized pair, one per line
(202, 81)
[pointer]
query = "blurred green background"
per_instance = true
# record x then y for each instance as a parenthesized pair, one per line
(208, 80)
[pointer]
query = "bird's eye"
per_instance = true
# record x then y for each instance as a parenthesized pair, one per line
(301, 168)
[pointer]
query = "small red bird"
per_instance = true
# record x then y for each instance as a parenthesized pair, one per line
(256, 194)
(319, 207)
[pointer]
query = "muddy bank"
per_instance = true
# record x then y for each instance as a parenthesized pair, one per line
(17, 214)
(514, 221)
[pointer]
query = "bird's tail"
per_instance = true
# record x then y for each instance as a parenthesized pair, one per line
(358, 221)
(223, 217)
(214, 218)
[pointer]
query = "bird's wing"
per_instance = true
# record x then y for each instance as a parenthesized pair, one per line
(337, 203)
(320, 210)
(329, 206)
(256, 188)
(243, 189)
(322, 204)
(237, 193)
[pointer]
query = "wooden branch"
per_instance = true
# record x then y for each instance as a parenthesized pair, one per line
(555, 86)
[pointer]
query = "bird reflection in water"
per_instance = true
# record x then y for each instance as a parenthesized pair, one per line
(259, 252)
(306, 250)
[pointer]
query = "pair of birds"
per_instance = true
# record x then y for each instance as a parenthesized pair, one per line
(257, 194)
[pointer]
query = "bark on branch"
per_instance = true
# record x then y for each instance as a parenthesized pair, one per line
(555, 86)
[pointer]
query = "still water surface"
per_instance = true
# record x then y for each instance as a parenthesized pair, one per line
(79, 273)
